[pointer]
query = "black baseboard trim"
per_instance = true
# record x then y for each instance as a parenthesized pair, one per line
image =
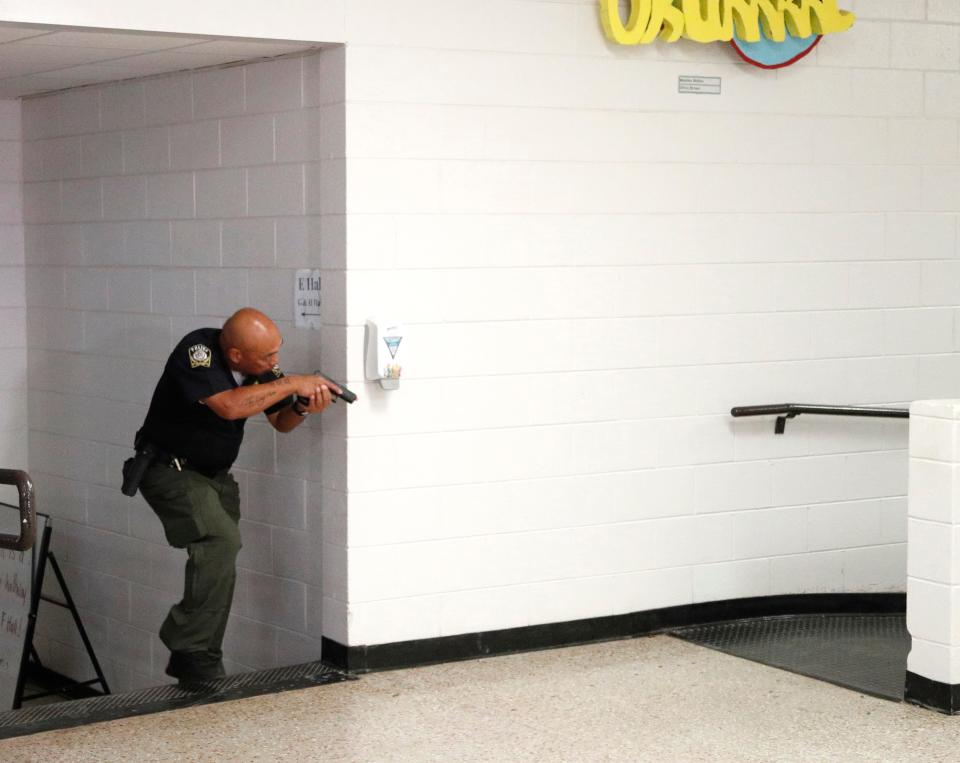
(923, 691)
(409, 654)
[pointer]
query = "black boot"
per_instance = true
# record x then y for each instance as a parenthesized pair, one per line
(194, 669)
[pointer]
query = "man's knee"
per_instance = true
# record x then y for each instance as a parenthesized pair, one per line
(224, 542)
(232, 541)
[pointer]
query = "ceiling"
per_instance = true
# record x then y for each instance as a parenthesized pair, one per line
(41, 59)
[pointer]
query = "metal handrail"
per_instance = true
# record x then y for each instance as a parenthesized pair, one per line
(28, 514)
(784, 411)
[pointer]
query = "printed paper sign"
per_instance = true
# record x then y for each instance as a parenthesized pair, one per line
(306, 299)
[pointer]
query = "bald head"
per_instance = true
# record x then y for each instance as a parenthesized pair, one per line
(250, 341)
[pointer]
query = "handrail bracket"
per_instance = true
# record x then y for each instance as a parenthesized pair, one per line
(781, 424)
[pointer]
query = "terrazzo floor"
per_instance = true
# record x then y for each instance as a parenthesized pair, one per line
(643, 699)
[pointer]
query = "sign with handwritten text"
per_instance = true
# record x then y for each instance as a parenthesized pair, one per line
(16, 574)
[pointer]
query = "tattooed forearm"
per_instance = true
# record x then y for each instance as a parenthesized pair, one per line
(267, 393)
(256, 402)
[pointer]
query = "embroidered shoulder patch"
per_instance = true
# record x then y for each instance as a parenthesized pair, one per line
(200, 355)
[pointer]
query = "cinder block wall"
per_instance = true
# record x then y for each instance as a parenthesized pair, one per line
(13, 338)
(594, 269)
(154, 207)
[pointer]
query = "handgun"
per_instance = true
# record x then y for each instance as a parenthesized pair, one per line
(344, 394)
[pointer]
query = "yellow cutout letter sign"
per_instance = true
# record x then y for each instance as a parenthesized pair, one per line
(716, 20)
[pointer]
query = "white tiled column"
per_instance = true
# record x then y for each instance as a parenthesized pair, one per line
(933, 555)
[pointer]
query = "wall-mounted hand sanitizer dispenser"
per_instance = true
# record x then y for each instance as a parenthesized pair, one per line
(384, 347)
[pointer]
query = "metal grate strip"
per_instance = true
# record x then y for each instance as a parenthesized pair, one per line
(867, 653)
(30, 720)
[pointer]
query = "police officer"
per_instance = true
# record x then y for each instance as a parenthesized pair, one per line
(212, 382)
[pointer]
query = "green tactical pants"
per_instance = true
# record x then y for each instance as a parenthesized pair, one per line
(200, 514)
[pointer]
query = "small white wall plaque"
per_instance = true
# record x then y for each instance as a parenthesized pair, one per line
(699, 85)
(306, 299)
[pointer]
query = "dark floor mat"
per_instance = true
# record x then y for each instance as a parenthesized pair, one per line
(867, 653)
(31, 720)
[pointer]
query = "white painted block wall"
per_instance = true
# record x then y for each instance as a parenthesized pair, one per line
(593, 269)
(154, 207)
(13, 338)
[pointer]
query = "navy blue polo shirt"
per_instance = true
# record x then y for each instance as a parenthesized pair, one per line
(179, 423)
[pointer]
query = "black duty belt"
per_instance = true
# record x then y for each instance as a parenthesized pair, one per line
(148, 454)
(181, 464)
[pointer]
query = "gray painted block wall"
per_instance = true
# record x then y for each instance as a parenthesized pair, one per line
(153, 207)
(13, 338)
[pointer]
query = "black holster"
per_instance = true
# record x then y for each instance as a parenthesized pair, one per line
(134, 468)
